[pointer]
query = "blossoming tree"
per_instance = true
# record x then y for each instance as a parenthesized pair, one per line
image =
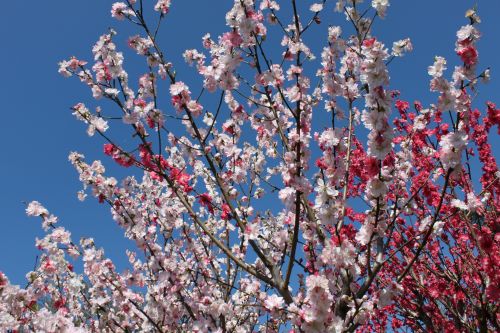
(249, 218)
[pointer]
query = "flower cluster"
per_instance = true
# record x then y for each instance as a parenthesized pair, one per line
(266, 199)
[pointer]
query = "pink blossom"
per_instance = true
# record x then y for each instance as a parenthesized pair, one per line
(36, 209)
(273, 302)
(237, 221)
(232, 38)
(120, 10)
(163, 6)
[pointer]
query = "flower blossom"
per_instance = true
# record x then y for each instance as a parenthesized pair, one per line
(380, 6)
(36, 209)
(439, 66)
(163, 6)
(452, 146)
(120, 10)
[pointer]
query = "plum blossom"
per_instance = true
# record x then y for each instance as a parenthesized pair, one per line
(373, 68)
(316, 7)
(365, 232)
(424, 224)
(252, 231)
(271, 4)
(227, 234)
(437, 69)
(162, 6)
(68, 67)
(36, 209)
(287, 195)
(473, 203)
(467, 32)
(317, 284)
(376, 188)
(121, 10)
(380, 142)
(380, 6)
(97, 123)
(401, 47)
(178, 88)
(452, 146)
(140, 45)
(438, 227)
(273, 302)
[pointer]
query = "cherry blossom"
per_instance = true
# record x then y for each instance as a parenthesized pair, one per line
(280, 192)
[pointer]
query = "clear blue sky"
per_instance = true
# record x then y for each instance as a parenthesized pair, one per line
(39, 130)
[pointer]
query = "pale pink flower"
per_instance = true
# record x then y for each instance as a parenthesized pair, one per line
(439, 66)
(467, 32)
(36, 209)
(401, 47)
(273, 302)
(376, 188)
(163, 6)
(316, 7)
(177, 88)
(380, 6)
(120, 10)
(452, 146)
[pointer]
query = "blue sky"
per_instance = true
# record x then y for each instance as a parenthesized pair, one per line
(39, 130)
